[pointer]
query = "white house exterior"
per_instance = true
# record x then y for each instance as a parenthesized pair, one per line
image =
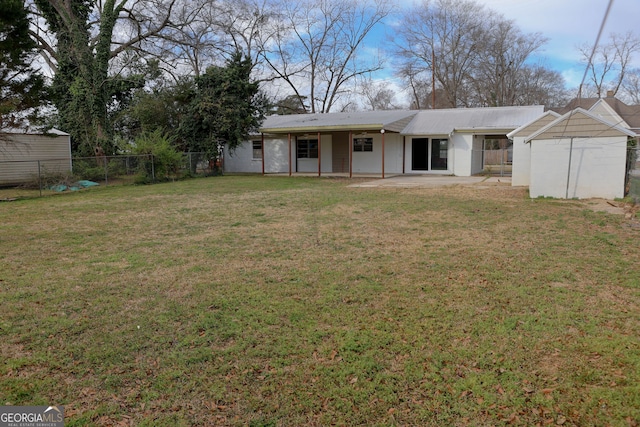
(575, 153)
(447, 141)
(24, 155)
(521, 165)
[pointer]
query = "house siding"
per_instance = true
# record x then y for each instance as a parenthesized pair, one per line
(27, 155)
(597, 167)
(521, 166)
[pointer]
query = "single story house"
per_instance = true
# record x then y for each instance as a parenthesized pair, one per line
(579, 154)
(23, 155)
(579, 151)
(447, 141)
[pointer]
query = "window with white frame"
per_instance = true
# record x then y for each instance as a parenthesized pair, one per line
(257, 149)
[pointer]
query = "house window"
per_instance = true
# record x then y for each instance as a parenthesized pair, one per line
(363, 144)
(257, 149)
(307, 148)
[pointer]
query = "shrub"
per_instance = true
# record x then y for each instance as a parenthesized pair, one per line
(163, 161)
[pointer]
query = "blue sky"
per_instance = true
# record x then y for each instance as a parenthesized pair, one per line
(566, 24)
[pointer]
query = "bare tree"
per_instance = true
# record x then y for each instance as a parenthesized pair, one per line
(314, 50)
(377, 95)
(631, 86)
(212, 31)
(610, 63)
(476, 56)
(422, 93)
(497, 76)
(538, 85)
(443, 37)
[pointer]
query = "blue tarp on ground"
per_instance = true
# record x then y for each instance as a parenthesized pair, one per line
(75, 186)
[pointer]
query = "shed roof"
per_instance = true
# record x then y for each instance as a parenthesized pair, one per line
(579, 123)
(530, 127)
(31, 131)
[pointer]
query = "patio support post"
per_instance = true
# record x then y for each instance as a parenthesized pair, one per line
(350, 154)
(382, 133)
(262, 146)
(319, 156)
(289, 154)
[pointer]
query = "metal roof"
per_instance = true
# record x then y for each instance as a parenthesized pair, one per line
(393, 121)
(413, 122)
(444, 122)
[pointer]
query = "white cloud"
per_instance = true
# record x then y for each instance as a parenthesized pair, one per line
(567, 24)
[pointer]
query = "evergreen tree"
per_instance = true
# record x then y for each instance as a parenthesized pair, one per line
(226, 107)
(21, 87)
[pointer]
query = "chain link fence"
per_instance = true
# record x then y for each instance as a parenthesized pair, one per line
(32, 178)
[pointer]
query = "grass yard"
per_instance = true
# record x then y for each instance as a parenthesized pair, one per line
(274, 301)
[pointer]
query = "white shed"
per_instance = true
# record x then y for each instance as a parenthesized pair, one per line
(24, 155)
(578, 155)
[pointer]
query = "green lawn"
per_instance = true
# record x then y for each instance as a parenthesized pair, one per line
(273, 301)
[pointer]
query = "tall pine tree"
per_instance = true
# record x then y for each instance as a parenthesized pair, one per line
(21, 87)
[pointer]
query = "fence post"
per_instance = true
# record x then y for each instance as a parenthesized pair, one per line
(153, 170)
(39, 179)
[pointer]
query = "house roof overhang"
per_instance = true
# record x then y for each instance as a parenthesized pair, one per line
(313, 129)
(390, 121)
(484, 130)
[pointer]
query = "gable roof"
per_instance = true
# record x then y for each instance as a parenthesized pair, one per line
(534, 125)
(579, 123)
(629, 113)
(602, 109)
(393, 121)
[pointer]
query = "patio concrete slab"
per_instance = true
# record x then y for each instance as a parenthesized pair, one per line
(433, 181)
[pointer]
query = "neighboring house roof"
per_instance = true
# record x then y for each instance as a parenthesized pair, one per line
(579, 123)
(423, 122)
(445, 122)
(393, 121)
(629, 113)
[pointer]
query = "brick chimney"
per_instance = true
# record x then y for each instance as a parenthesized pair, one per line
(610, 94)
